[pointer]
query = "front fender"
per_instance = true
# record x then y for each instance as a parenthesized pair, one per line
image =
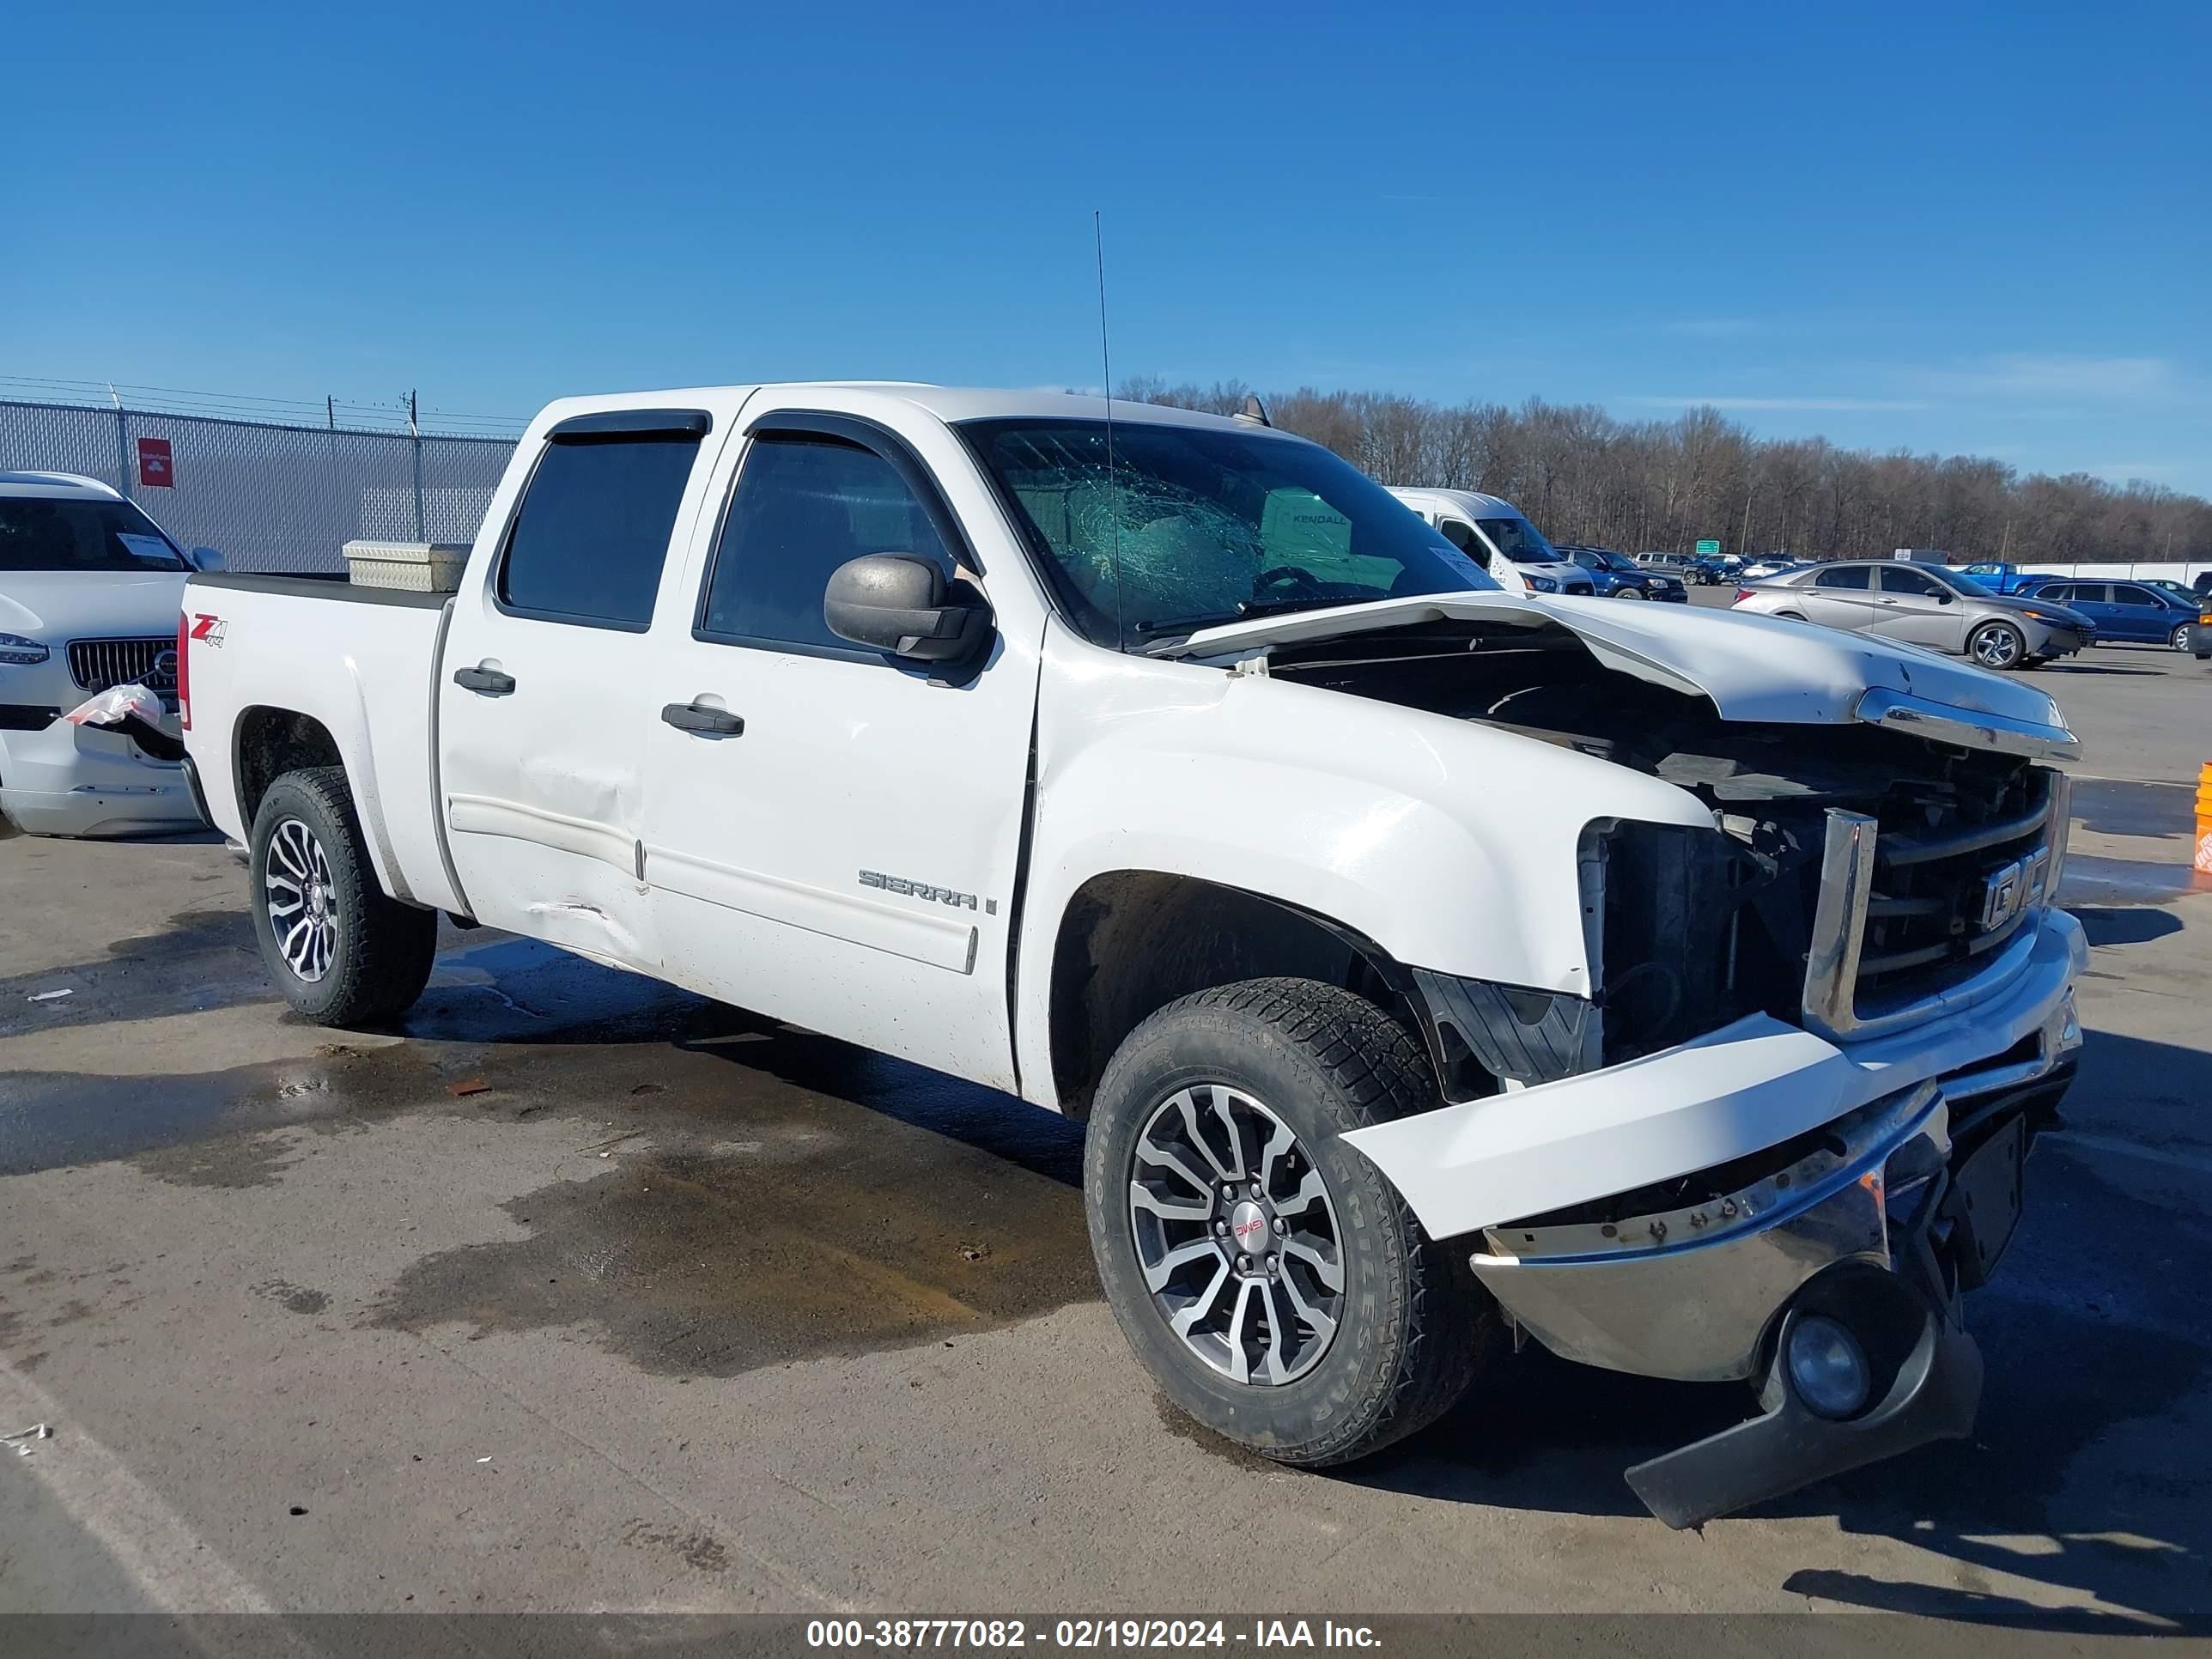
(1452, 846)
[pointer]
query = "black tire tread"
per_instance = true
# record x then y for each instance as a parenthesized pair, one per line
(1382, 1073)
(388, 947)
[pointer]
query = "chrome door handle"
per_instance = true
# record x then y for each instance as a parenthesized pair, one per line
(706, 723)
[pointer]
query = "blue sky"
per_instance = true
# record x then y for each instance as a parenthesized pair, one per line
(1958, 228)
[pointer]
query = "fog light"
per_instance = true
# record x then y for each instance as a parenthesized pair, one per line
(1826, 1366)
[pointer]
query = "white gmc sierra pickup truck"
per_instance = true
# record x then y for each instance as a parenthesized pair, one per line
(1679, 989)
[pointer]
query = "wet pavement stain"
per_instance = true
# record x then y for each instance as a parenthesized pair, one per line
(698, 1550)
(292, 1297)
(203, 959)
(233, 1162)
(832, 1231)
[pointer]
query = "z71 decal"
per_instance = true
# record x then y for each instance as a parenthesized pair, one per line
(209, 630)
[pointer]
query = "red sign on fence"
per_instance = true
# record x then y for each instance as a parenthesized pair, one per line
(154, 471)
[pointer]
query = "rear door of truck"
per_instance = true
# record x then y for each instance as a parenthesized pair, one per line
(545, 688)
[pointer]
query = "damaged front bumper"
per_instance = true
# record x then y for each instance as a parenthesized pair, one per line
(1686, 1209)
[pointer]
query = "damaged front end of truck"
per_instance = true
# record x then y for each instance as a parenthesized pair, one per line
(1783, 1133)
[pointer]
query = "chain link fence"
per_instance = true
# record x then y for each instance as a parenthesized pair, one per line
(269, 497)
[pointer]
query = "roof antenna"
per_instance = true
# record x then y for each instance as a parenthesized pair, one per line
(1113, 485)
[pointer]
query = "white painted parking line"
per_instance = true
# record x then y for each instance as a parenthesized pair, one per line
(150, 1542)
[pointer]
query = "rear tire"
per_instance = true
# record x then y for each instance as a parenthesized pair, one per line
(343, 950)
(1289, 1064)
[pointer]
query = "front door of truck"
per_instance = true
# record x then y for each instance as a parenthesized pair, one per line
(832, 834)
(544, 695)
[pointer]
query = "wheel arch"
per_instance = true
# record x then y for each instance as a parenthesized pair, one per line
(1130, 942)
(268, 740)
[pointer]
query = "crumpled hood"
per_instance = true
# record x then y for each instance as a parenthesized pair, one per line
(1752, 668)
(54, 606)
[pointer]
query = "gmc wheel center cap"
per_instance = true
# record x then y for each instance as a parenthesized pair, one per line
(1248, 1229)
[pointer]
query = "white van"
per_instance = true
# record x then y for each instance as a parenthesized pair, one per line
(1494, 532)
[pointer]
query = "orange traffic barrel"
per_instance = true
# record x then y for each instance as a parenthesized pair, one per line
(2204, 821)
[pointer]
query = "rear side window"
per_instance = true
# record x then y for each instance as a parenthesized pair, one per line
(803, 507)
(592, 532)
(1848, 575)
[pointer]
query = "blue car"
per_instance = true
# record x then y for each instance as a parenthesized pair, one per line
(2124, 611)
(1616, 576)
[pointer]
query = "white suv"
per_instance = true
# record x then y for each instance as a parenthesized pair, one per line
(90, 589)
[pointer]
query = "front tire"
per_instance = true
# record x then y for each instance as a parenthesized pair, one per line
(1996, 645)
(343, 950)
(2180, 640)
(1267, 1275)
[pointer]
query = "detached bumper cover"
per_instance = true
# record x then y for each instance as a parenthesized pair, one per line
(1737, 1091)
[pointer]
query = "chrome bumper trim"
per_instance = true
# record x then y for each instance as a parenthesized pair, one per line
(1947, 723)
(1689, 1293)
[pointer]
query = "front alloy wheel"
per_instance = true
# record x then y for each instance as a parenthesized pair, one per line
(2180, 640)
(1996, 645)
(1236, 1234)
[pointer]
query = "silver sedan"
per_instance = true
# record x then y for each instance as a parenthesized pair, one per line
(1924, 605)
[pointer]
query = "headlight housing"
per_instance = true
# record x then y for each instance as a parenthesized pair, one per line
(1543, 584)
(19, 652)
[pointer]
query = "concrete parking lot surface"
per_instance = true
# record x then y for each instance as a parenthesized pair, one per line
(573, 1292)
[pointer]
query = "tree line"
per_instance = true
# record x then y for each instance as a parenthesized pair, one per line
(1584, 476)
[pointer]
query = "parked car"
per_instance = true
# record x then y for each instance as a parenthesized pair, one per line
(1770, 565)
(1617, 576)
(2200, 636)
(1194, 787)
(1924, 604)
(1711, 569)
(2203, 585)
(2140, 612)
(1494, 535)
(89, 587)
(1684, 565)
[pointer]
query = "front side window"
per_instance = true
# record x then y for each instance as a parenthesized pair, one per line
(1518, 540)
(1183, 527)
(49, 533)
(592, 533)
(1461, 534)
(1843, 575)
(2128, 593)
(803, 507)
(1908, 581)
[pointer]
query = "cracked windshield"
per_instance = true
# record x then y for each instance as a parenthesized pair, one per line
(1206, 526)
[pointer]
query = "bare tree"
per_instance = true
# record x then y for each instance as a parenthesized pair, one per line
(1584, 476)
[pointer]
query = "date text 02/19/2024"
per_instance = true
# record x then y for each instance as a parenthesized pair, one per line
(902, 1634)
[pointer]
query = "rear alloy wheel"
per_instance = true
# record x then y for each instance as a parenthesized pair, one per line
(1631, 593)
(1269, 1277)
(1996, 645)
(342, 951)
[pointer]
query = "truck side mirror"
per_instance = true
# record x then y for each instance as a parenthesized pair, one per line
(206, 561)
(899, 603)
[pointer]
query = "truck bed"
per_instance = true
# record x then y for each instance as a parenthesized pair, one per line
(358, 662)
